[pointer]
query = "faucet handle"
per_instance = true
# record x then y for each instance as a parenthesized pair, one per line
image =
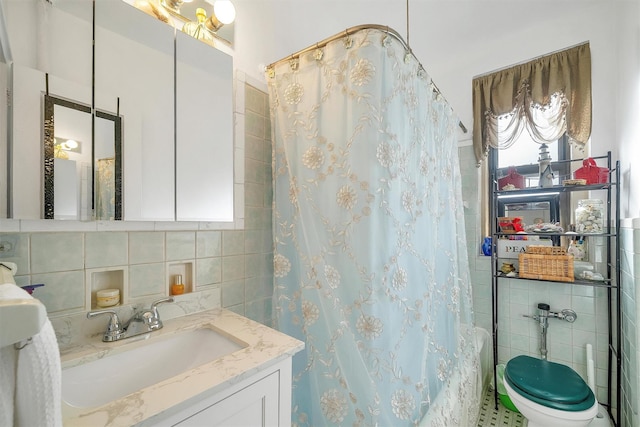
(151, 317)
(114, 330)
(160, 301)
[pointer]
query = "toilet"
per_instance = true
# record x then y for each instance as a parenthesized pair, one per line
(549, 394)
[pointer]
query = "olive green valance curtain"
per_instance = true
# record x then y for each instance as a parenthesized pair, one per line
(548, 96)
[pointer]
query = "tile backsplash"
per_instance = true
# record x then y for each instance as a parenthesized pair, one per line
(231, 268)
(630, 269)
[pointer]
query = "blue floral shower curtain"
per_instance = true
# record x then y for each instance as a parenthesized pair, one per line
(370, 259)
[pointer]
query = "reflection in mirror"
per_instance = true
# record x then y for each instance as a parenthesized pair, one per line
(533, 209)
(108, 166)
(81, 176)
(541, 208)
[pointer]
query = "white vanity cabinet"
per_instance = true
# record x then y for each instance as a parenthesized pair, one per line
(262, 399)
(250, 386)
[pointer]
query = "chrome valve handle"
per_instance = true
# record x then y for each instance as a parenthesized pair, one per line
(114, 330)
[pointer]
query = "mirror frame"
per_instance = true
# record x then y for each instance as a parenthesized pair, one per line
(117, 145)
(48, 153)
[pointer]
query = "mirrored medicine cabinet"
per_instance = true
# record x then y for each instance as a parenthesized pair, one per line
(137, 127)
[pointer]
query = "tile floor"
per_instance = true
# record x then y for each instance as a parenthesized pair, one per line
(503, 417)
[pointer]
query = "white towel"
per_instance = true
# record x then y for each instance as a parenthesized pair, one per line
(7, 384)
(30, 386)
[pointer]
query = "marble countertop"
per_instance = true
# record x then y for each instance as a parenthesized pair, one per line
(265, 347)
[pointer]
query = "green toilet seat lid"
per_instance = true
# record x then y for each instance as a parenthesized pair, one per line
(550, 384)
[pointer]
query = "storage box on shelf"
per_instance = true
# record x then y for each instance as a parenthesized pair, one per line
(512, 181)
(592, 173)
(508, 248)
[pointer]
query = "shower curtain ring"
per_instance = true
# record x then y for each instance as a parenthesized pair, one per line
(319, 53)
(294, 62)
(348, 42)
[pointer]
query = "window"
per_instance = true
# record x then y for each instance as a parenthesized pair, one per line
(547, 98)
(524, 154)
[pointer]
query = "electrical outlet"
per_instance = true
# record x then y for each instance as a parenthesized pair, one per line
(7, 247)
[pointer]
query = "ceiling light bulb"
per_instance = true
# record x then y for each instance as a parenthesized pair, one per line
(71, 144)
(224, 11)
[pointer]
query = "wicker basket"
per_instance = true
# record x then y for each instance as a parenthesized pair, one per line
(546, 263)
(546, 250)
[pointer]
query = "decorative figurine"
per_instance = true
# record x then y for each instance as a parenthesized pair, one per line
(486, 246)
(545, 179)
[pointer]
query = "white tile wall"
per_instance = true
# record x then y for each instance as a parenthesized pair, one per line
(630, 268)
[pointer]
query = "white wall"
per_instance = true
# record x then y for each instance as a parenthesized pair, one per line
(266, 31)
(628, 104)
(457, 40)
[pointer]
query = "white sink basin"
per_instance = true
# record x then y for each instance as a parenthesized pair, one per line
(101, 381)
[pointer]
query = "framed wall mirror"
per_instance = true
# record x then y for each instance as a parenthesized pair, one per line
(82, 161)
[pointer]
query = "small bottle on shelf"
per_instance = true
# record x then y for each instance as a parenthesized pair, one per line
(178, 287)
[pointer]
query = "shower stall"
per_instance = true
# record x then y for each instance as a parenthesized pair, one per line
(370, 255)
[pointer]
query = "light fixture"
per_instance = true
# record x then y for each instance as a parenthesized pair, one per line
(224, 13)
(67, 145)
(197, 29)
(70, 144)
(174, 5)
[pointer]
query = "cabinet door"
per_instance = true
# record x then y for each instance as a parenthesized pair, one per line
(134, 63)
(204, 132)
(255, 405)
(61, 50)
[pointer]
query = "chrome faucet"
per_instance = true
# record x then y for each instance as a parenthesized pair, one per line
(114, 330)
(141, 322)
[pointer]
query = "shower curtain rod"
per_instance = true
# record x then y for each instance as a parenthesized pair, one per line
(353, 30)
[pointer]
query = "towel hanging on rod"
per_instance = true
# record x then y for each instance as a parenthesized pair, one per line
(25, 314)
(29, 360)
